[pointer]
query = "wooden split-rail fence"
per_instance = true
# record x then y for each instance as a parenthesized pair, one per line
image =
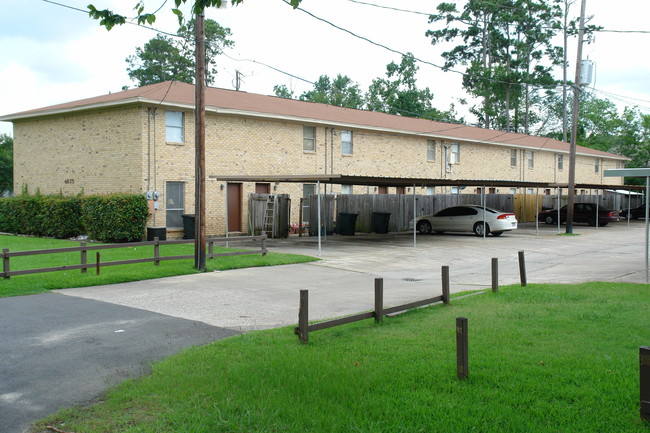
(156, 258)
(304, 327)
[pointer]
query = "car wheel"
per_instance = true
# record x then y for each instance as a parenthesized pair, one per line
(497, 233)
(592, 221)
(424, 227)
(478, 229)
(549, 220)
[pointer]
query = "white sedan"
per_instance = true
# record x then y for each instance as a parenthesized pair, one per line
(467, 218)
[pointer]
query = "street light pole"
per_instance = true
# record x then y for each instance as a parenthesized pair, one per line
(574, 123)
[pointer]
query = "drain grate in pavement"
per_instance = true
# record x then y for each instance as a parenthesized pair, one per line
(412, 280)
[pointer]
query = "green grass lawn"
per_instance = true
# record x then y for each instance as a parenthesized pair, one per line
(542, 359)
(39, 283)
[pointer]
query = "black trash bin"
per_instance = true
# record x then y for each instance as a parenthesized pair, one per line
(157, 232)
(346, 223)
(380, 222)
(188, 226)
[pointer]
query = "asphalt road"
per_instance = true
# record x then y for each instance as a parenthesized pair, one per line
(59, 351)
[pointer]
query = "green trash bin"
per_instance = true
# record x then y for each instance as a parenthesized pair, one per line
(380, 222)
(346, 223)
(188, 226)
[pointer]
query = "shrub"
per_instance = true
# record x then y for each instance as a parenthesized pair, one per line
(115, 218)
(112, 218)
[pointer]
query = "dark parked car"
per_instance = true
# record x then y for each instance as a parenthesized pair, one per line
(635, 212)
(582, 213)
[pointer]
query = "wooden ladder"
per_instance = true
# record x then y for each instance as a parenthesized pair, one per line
(269, 217)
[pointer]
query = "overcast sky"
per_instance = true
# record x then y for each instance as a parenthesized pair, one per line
(51, 54)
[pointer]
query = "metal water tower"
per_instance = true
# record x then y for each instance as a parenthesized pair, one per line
(586, 72)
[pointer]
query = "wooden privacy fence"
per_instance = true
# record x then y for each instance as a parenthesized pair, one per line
(156, 258)
(304, 327)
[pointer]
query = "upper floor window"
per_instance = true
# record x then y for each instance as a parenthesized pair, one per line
(560, 162)
(531, 159)
(309, 139)
(513, 157)
(174, 125)
(346, 142)
(431, 150)
(597, 165)
(455, 153)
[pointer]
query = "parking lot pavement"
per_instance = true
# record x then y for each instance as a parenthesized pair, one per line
(59, 351)
(342, 282)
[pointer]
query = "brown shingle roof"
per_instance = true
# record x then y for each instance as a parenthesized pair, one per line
(173, 93)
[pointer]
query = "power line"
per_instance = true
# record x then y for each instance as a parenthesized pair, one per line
(501, 6)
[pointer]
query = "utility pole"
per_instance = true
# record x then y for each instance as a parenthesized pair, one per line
(574, 123)
(199, 144)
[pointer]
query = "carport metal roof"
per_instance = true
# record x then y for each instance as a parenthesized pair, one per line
(343, 179)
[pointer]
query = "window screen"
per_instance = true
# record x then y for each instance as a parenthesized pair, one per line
(175, 203)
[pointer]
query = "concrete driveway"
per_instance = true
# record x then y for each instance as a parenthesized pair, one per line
(343, 281)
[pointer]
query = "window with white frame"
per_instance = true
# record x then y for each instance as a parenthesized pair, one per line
(455, 153)
(346, 142)
(309, 139)
(455, 190)
(530, 191)
(175, 203)
(531, 159)
(174, 126)
(560, 162)
(597, 165)
(431, 190)
(513, 190)
(513, 157)
(346, 189)
(431, 150)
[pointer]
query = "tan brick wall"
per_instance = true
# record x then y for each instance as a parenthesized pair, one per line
(96, 153)
(126, 150)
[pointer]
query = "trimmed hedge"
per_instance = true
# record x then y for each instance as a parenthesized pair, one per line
(112, 218)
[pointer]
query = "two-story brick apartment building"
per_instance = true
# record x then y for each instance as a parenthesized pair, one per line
(142, 140)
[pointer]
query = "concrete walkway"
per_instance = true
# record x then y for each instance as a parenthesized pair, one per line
(342, 282)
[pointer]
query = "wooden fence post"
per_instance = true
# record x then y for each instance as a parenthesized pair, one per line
(445, 284)
(156, 251)
(5, 263)
(303, 317)
(644, 382)
(264, 250)
(97, 263)
(210, 249)
(379, 300)
(462, 351)
(495, 274)
(522, 268)
(84, 258)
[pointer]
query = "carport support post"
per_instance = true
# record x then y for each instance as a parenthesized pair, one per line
(495, 274)
(522, 268)
(303, 317)
(379, 300)
(414, 217)
(644, 381)
(445, 284)
(84, 256)
(319, 222)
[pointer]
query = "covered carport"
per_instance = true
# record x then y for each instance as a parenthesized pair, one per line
(341, 179)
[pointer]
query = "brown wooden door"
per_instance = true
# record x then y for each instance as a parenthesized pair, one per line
(263, 188)
(383, 190)
(234, 207)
